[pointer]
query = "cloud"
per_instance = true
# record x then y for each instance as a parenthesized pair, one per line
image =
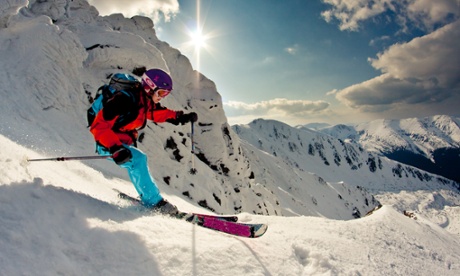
(384, 92)
(425, 70)
(378, 40)
(292, 50)
(424, 14)
(292, 112)
(422, 74)
(332, 92)
(351, 12)
(154, 9)
(429, 13)
(275, 106)
(268, 60)
(433, 56)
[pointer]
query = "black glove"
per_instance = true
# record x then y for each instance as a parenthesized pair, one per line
(185, 118)
(120, 154)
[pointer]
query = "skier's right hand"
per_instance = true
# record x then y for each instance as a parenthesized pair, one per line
(184, 118)
(120, 154)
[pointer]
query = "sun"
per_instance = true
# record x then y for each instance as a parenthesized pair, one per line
(198, 39)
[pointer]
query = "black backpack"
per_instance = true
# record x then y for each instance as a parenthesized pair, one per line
(119, 82)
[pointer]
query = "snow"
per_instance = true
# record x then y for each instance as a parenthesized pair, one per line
(419, 135)
(64, 218)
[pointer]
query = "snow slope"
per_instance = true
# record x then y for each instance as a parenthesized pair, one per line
(65, 219)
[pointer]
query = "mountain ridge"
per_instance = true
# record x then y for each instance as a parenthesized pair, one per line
(429, 143)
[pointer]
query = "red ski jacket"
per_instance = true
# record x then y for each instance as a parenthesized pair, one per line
(106, 127)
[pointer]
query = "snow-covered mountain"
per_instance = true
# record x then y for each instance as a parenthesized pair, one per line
(432, 143)
(304, 154)
(56, 53)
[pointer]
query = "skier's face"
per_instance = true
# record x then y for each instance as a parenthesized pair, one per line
(155, 98)
(159, 94)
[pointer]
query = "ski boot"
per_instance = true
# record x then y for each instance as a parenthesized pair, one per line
(165, 208)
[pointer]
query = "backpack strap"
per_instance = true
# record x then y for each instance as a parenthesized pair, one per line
(144, 100)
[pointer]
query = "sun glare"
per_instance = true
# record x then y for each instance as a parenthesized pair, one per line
(198, 39)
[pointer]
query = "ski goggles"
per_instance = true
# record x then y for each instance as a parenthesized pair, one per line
(160, 92)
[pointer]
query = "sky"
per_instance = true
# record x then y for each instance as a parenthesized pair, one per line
(327, 61)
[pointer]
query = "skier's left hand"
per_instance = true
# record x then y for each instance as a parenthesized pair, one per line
(120, 154)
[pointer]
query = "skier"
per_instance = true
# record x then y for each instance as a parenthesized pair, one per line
(115, 132)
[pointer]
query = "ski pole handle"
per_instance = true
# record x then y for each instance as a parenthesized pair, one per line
(193, 169)
(193, 133)
(71, 158)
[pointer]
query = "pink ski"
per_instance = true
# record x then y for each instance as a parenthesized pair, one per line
(225, 224)
(229, 227)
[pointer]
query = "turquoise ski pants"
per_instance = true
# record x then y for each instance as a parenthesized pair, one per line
(139, 174)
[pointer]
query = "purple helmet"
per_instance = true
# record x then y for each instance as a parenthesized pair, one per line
(155, 79)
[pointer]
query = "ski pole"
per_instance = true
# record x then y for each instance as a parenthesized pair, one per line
(193, 170)
(71, 158)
